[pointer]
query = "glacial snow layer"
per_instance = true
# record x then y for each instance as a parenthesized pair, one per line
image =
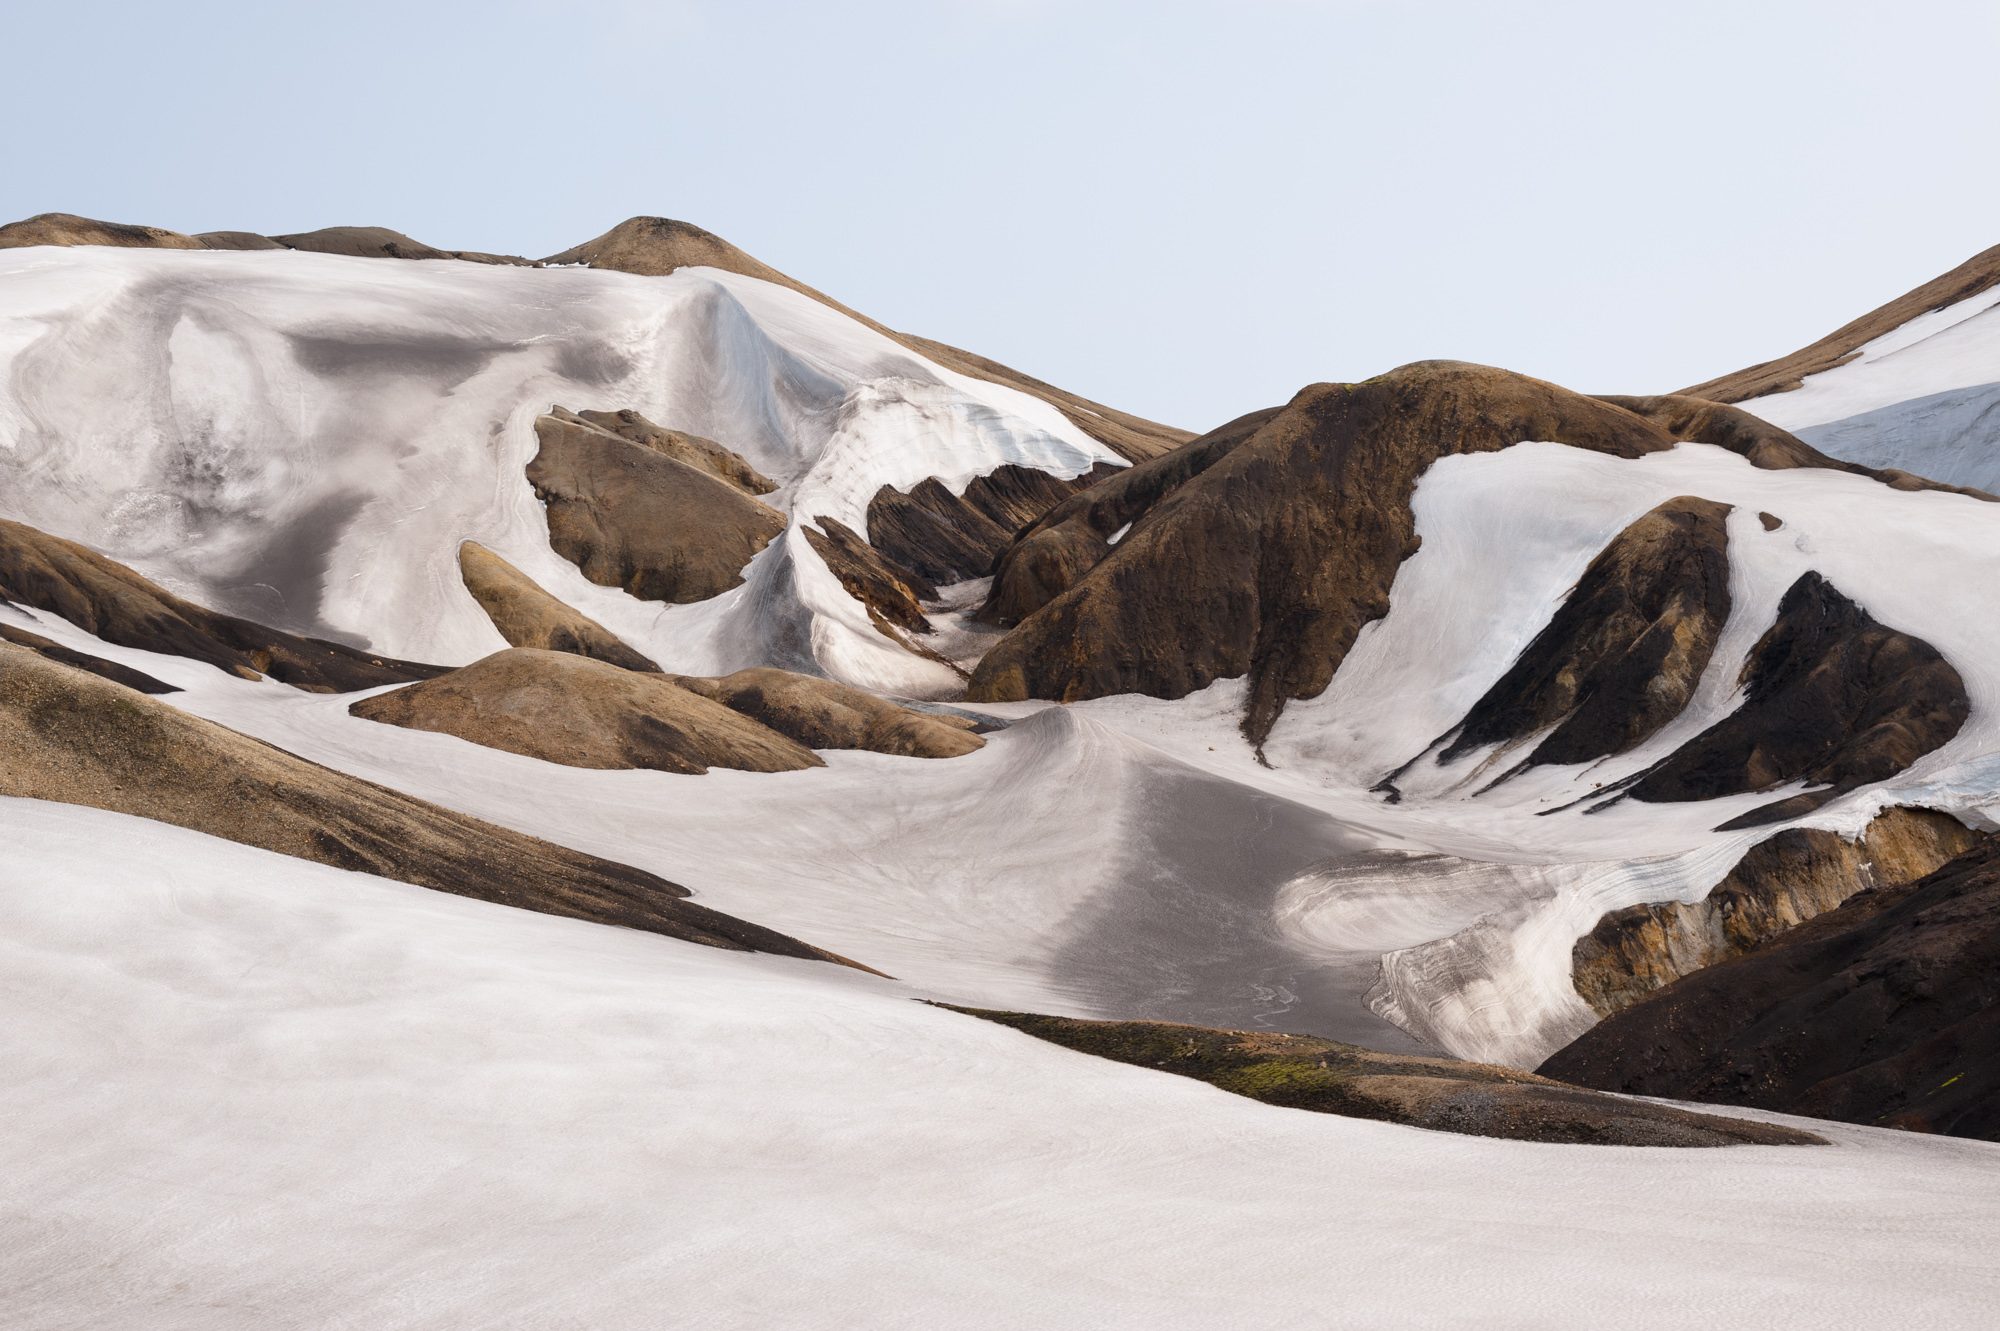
(1924, 398)
(280, 1096)
(306, 439)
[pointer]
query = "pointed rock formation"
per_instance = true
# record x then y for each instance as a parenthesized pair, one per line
(1831, 698)
(527, 616)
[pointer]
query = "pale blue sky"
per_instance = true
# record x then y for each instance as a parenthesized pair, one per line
(1187, 210)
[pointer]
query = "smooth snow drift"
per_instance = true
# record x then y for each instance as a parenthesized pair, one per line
(1924, 397)
(305, 439)
(283, 1096)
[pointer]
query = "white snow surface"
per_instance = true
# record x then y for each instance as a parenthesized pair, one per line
(1924, 397)
(246, 1091)
(306, 439)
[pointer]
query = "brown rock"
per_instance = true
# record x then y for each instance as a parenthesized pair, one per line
(69, 229)
(630, 517)
(77, 739)
(1831, 698)
(1885, 1010)
(578, 712)
(51, 650)
(528, 616)
(892, 594)
(821, 714)
(711, 457)
(1270, 560)
(945, 537)
(109, 600)
(1624, 653)
(1781, 882)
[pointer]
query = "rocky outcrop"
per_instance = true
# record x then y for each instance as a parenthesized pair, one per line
(656, 246)
(893, 595)
(1831, 698)
(1977, 274)
(1885, 1010)
(77, 739)
(821, 714)
(1781, 882)
(1623, 654)
(945, 537)
(107, 599)
(568, 709)
(49, 649)
(69, 229)
(1304, 1072)
(637, 519)
(528, 616)
(722, 463)
(1270, 560)
(1053, 553)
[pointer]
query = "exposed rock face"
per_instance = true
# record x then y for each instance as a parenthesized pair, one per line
(114, 603)
(1624, 653)
(1885, 1010)
(528, 616)
(77, 739)
(821, 714)
(96, 665)
(1050, 556)
(722, 463)
(1781, 882)
(631, 517)
(945, 537)
(1761, 443)
(892, 594)
(1975, 275)
(582, 713)
(656, 246)
(1831, 698)
(361, 242)
(1304, 1072)
(69, 229)
(1270, 560)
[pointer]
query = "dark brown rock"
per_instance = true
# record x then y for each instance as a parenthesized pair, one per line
(892, 594)
(109, 600)
(528, 616)
(51, 650)
(1771, 521)
(77, 739)
(630, 517)
(1781, 882)
(1831, 698)
(1053, 553)
(1322, 1076)
(1271, 560)
(1975, 275)
(945, 537)
(571, 710)
(1623, 654)
(1885, 1010)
